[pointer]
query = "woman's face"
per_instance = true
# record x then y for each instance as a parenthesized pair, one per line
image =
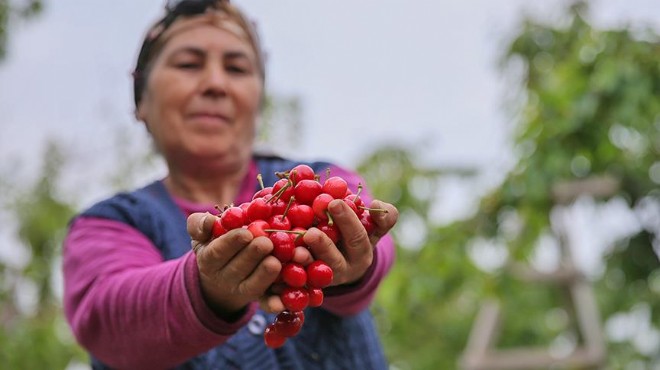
(202, 98)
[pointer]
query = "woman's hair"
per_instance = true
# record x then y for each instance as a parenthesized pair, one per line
(186, 9)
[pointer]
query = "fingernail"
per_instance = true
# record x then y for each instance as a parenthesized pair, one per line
(203, 222)
(336, 208)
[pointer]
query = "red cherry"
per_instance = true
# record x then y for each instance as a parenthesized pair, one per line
(301, 215)
(272, 338)
(259, 209)
(287, 323)
(283, 246)
(367, 221)
(356, 199)
(306, 190)
(263, 192)
(301, 172)
(283, 190)
(301, 316)
(279, 222)
(320, 205)
(297, 237)
(315, 297)
(335, 186)
(279, 206)
(295, 299)
(258, 228)
(218, 229)
(294, 274)
(319, 274)
(353, 206)
(332, 231)
(232, 218)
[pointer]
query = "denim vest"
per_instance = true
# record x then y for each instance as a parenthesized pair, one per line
(326, 341)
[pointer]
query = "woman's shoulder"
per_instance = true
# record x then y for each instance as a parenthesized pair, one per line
(122, 203)
(271, 159)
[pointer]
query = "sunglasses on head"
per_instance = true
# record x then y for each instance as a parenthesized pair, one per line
(190, 6)
(178, 8)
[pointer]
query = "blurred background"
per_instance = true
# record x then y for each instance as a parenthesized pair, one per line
(520, 141)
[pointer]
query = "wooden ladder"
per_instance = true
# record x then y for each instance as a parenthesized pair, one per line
(481, 352)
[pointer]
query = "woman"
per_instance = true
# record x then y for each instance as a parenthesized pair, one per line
(137, 296)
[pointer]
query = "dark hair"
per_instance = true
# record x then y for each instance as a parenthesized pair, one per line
(185, 8)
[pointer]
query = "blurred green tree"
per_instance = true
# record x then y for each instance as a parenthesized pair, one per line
(33, 332)
(588, 108)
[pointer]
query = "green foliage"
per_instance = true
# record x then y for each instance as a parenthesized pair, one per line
(587, 107)
(37, 337)
(592, 110)
(40, 342)
(422, 305)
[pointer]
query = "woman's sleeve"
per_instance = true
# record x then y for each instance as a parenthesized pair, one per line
(128, 307)
(351, 299)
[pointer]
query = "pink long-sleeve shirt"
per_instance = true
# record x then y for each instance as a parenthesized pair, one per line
(131, 309)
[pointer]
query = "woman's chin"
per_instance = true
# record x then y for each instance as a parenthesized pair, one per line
(217, 155)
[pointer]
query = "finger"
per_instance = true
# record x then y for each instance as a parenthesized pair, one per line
(271, 304)
(254, 270)
(220, 251)
(200, 226)
(322, 248)
(384, 217)
(354, 236)
(256, 281)
(302, 256)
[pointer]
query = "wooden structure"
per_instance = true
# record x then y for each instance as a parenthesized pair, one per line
(481, 352)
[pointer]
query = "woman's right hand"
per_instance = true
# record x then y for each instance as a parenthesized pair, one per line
(235, 268)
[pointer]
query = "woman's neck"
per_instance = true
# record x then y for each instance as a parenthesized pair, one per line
(219, 187)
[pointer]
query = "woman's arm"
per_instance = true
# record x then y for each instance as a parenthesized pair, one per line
(128, 307)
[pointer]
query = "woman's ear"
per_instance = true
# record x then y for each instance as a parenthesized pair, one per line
(139, 112)
(141, 116)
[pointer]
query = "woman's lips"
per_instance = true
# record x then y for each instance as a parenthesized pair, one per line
(209, 118)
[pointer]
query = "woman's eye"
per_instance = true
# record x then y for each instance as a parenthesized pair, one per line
(237, 69)
(188, 65)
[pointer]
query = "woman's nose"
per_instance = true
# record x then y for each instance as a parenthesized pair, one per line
(214, 81)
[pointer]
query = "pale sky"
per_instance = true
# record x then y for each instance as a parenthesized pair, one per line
(416, 71)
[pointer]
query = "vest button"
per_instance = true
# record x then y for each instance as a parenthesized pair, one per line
(257, 324)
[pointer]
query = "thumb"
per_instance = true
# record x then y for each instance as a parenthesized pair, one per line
(200, 226)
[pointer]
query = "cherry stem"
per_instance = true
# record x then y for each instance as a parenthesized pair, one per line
(359, 190)
(374, 209)
(300, 233)
(330, 220)
(288, 205)
(220, 210)
(279, 193)
(357, 194)
(261, 181)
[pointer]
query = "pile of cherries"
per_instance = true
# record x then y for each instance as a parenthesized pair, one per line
(283, 212)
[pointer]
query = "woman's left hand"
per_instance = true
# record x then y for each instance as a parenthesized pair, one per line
(354, 255)
(349, 260)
